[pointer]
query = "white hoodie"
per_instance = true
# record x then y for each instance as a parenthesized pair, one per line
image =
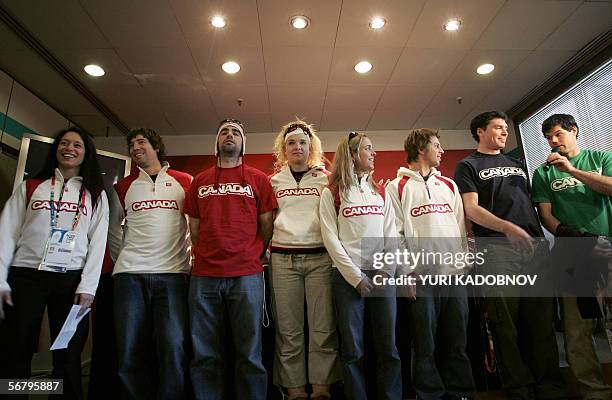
(363, 214)
(155, 237)
(297, 222)
(429, 214)
(25, 227)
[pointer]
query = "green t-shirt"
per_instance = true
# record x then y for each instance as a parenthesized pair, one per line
(573, 203)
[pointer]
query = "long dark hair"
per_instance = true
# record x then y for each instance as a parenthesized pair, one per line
(89, 169)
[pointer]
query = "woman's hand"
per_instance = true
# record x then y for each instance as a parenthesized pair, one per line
(365, 286)
(84, 300)
(5, 297)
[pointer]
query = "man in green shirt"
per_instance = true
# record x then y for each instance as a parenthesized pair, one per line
(573, 193)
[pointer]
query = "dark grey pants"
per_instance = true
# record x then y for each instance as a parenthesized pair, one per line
(439, 318)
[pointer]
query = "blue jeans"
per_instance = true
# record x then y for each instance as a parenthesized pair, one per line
(241, 299)
(152, 331)
(351, 312)
(439, 318)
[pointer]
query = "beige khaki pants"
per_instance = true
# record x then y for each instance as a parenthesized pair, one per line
(295, 279)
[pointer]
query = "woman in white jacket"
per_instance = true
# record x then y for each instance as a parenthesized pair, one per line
(53, 231)
(356, 223)
(300, 267)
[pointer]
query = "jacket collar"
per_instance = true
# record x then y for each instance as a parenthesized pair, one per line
(143, 175)
(403, 171)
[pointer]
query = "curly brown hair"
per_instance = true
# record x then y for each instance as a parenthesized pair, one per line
(153, 137)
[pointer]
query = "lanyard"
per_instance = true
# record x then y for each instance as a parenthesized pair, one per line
(55, 210)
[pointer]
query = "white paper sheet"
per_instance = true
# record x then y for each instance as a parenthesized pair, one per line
(69, 328)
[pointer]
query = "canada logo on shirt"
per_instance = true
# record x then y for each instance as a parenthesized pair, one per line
(568, 182)
(298, 192)
(58, 205)
(150, 204)
(362, 210)
(431, 209)
(225, 189)
(502, 172)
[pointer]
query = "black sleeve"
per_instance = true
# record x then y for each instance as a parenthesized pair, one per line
(465, 178)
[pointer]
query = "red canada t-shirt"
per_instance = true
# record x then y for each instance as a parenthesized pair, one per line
(228, 243)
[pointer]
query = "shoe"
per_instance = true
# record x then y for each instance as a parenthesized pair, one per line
(320, 396)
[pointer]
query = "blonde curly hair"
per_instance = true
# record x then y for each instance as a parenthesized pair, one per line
(315, 154)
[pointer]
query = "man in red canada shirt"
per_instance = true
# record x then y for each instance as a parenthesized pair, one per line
(230, 207)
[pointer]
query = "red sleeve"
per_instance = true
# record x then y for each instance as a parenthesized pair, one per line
(31, 185)
(123, 185)
(267, 200)
(182, 178)
(191, 200)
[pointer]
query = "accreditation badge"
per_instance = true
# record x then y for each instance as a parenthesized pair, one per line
(58, 250)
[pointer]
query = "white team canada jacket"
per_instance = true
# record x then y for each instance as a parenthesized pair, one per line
(25, 226)
(297, 223)
(155, 235)
(428, 214)
(362, 214)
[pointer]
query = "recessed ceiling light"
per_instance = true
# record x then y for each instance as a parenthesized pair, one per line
(485, 69)
(452, 25)
(218, 21)
(377, 23)
(231, 67)
(300, 22)
(94, 70)
(363, 67)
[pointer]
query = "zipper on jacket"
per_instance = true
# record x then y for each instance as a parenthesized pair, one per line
(428, 192)
(303, 176)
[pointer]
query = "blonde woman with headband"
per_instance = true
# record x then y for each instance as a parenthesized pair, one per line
(300, 268)
(354, 220)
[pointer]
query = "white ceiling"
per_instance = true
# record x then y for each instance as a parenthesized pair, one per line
(162, 59)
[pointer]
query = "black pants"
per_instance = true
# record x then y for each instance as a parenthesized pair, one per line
(32, 291)
(103, 375)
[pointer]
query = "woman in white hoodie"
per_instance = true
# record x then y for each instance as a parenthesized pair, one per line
(356, 222)
(300, 267)
(53, 231)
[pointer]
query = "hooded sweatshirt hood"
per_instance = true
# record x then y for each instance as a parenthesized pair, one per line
(403, 171)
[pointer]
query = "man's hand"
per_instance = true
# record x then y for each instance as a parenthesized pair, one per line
(560, 162)
(519, 238)
(5, 297)
(602, 249)
(84, 300)
(365, 286)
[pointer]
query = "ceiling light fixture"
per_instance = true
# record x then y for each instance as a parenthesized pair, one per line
(94, 70)
(300, 22)
(231, 67)
(363, 67)
(452, 25)
(377, 23)
(485, 69)
(218, 21)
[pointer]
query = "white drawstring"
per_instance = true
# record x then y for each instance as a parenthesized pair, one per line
(266, 318)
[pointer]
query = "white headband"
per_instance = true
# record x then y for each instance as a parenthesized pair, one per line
(297, 131)
(230, 124)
